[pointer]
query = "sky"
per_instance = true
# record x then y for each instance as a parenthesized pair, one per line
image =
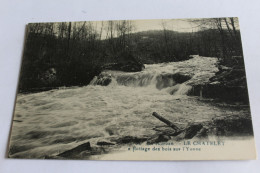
(180, 25)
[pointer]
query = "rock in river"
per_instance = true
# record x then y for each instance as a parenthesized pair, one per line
(74, 152)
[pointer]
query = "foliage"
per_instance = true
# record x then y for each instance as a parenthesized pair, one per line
(69, 54)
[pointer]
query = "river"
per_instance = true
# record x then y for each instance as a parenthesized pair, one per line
(50, 122)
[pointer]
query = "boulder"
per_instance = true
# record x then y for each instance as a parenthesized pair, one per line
(192, 130)
(102, 143)
(74, 152)
(189, 132)
(49, 76)
(168, 80)
(218, 90)
(126, 67)
(180, 77)
(159, 138)
(203, 133)
(130, 139)
(102, 79)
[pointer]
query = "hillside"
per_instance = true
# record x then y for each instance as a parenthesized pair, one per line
(53, 60)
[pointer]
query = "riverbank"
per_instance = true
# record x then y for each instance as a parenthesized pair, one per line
(227, 85)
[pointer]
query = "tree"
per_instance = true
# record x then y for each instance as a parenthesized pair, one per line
(227, 29)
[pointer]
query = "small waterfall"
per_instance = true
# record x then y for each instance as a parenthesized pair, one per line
(171, 83)
(178, 89)
(135, 79)
(175, 78)
(93, 81)
(102, 79)
(183, 89)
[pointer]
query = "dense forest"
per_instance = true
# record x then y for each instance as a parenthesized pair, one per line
(72, 53)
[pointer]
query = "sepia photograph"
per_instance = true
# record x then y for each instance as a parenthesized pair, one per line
(157, 89)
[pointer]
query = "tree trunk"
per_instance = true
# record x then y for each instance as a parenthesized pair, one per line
(170, 124)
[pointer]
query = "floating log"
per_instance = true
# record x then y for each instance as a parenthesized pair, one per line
(170, 124)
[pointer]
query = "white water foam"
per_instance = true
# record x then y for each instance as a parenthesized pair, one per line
(51, 122)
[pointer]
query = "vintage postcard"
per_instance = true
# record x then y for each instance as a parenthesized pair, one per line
(170, 89)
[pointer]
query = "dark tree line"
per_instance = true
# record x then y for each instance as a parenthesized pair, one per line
(72, 53)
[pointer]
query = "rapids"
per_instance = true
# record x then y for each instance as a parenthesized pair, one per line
(51, 122)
